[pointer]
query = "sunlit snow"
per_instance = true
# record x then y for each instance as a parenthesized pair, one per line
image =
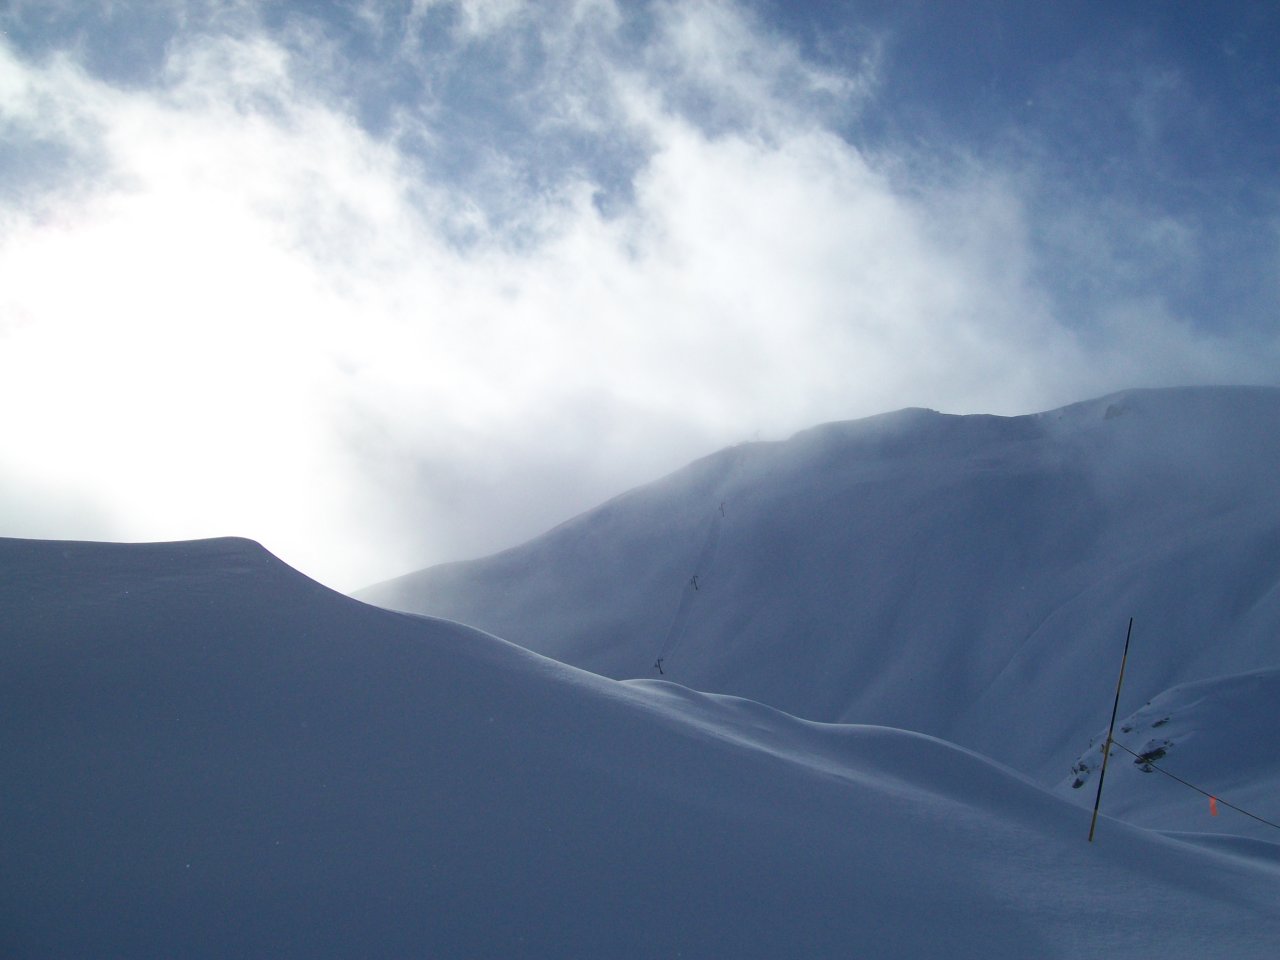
(207, 754)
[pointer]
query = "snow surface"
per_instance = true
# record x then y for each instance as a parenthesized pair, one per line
(206, 754)
(1219, 734)
(969, 577)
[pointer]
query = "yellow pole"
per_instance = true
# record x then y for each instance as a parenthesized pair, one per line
(1106, 750)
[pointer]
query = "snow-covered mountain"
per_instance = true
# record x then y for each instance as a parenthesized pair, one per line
(206, 754)
(969, 577)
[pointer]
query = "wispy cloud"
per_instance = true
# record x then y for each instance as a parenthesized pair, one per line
(243, 304)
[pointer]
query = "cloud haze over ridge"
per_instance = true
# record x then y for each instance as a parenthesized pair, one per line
(385, 284)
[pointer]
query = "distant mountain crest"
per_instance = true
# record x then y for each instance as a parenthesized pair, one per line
(964, 576)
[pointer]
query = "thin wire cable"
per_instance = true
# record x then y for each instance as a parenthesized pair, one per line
(1211, 796)
(674, 636)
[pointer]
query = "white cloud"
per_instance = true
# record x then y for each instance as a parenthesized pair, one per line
(259, 318)
(716, 59)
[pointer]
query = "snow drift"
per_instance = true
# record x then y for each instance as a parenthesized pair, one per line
(205, 754)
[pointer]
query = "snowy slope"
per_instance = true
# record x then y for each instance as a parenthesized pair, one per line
(1219, 735)
(205, 754)
(967, 577)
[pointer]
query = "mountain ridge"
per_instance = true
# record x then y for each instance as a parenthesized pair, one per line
(928, 571)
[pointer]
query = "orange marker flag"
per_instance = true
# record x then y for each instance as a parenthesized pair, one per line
(1213, 806)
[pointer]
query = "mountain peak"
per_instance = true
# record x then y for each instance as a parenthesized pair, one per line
(962, 576)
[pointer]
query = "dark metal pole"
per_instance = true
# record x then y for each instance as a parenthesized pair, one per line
(1106, 750)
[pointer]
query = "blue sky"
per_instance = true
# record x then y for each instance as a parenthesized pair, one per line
(385, 284)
